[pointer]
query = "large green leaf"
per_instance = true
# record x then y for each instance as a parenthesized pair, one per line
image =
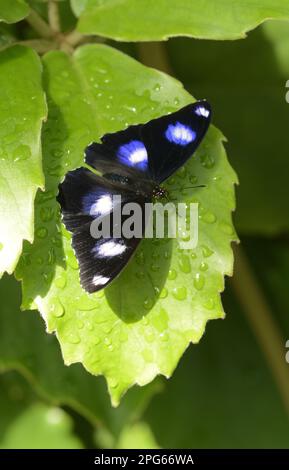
(22, 110)
(12, 11)
(153, 20)
(25, 347)
(226, 394)
(250, 106)
(140, 325)
(20, 419)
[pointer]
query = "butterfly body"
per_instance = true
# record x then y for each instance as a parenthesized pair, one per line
(133, 164)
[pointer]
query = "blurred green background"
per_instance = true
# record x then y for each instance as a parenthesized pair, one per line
(231, 390)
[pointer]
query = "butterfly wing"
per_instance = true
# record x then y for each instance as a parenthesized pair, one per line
(84, 197)
(155, 150)
(171, 140)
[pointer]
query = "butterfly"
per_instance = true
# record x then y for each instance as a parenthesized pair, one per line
(131, 163)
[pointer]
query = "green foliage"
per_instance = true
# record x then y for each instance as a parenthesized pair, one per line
(22, 110)
(20, 417)
(258, 130)
(40, 362)
(222, 394)
(13, 13)
(138, 334)
(134, 20)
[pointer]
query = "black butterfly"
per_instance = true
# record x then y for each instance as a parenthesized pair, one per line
(133, 163)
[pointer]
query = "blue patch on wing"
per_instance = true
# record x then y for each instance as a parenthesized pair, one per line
(180, 134)
(133, 154)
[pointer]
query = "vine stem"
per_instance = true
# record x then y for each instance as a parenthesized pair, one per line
(261, 320)
(39, 25)
(154, 54)
(53, 16)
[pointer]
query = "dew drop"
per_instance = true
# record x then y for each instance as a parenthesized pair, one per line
(199, 281)
(149, 336)
(155, 267)
(46, 214)
(193, 179)
(227, 228)
(21, 153)
(203, 266)
(80, 324)
(208, 217)
(60, 281)
(73, 338)
(157, 87)
(113, 383)
(140, 275)
(184, 264)
(164, 336)
(207, 252)
(96, 340)
(148, 303)
(207, 161)
(56, 308)
(164, 293)
(72, 261)
(172, 274)
(176, 101)
(180, 293)
(41, 232)
(107, 341)
(140, 258)
(193, 255)
(209, 304)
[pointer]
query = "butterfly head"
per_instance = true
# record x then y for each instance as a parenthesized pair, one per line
(160, 193)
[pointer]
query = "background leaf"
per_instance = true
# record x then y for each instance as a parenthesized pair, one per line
(41, 363)
(226, 395)
(130, 332)
(154, 20)
(13, 11)
(250, 107)
(22, 110)
(20, 418)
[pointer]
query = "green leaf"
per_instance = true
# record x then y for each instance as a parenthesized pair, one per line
(25, 347)
(154, 20)
(22, 110)
(13, 11)
(20, 419)
(134, 436)
(78, 6)
(228, 396)
(250, 107)
(139, 326)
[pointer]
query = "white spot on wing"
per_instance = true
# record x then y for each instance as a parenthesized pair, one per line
(102, 206)
(99, 280)
(202, 111)
(110, 248)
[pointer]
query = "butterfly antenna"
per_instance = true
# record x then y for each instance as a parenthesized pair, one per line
(190, 187)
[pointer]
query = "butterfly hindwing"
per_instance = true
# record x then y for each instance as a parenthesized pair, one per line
(84, 197)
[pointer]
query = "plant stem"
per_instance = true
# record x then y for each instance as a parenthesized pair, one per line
(40, 45)
(154, 54)
(261, 319)
(74, 38)
(53, 16)
(39, 25)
